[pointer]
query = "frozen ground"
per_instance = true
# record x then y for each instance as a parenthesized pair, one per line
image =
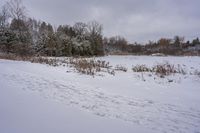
(40, 98)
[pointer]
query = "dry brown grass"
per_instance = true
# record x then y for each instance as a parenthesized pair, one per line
(44, 60)
(121, 68)
(162, 70)
(141, 68)
(14, 57)
(81, 65)
(90, 66)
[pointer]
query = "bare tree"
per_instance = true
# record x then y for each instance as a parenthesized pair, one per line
(4, 16)
(95, 28)
(95, 37)
(16, 9)
(80, 28)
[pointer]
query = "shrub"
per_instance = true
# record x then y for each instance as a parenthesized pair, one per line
(141, 68)
(164, 69)
(90, 66)
(197, 72)
(43, 60)
(161, 70)
(121, 68)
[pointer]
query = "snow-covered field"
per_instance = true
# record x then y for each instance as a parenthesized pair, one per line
(37, 98)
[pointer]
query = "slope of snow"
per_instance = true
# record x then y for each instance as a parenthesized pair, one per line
(39, 98)
(26, 112)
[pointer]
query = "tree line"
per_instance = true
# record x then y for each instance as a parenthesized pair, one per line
(167, 46)
(22, 35)
(25, 36)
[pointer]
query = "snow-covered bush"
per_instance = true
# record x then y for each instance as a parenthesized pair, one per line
(141, 68)
(197, 72)
(121, 68)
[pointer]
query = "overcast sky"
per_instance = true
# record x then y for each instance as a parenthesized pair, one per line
(136, 20)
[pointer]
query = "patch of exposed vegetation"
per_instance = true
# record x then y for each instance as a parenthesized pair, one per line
(141, 68)
(44, 60)
(90, 66)
(162, 70)
(121, 68)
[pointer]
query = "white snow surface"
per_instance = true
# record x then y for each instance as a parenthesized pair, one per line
(37, 98)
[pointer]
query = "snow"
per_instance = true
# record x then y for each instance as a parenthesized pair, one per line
(23, 112)
(40, 98)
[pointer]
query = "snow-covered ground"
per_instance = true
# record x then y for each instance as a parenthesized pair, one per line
(45, 99)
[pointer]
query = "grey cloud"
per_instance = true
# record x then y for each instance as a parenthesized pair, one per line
(136, 20)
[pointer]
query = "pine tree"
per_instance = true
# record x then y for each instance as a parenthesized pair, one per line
(7, 38)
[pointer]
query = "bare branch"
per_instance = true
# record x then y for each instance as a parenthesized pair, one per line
(16, 9)
(4, 16)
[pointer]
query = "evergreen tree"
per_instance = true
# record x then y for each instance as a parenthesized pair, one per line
(23, 45)
(7, 39)
(196, 41)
